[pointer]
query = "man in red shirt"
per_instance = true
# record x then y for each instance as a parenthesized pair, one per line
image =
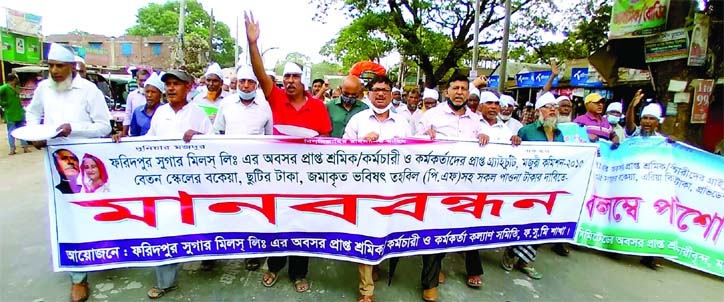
(292, 105)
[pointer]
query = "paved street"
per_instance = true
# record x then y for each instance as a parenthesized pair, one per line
(585, 275)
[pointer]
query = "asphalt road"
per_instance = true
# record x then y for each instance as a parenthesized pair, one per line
(586, 275)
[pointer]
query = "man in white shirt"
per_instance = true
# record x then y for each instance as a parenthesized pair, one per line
(493, 128)
(453, 118)
(507, 106)
(397, 105)
(77, 109)
(379, 122)
(474, 100)
(211, 99)
(243, 113)
(135, 98)
(429, 101)
(176, 118)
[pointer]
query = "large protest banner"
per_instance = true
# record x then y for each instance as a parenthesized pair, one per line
(652, 197)
(152, 202)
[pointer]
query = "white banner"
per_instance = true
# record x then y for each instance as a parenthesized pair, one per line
(152, 202)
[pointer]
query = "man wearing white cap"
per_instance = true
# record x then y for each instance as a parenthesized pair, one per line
(650, 118)
(493, 128)
(233, 84)
(135, 98)
(474, 100)
(545, 129)
(80, 67)
(565, 109)
(77, 108)
(211, 100)
(244, 113)
(141, 118)
(429, 101)
(613, 115)
(507, 106)
(226, 85)
(292, 106)
(397, 105)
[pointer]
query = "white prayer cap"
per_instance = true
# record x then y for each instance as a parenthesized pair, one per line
(291, 68)
(246, 72)
(488, 96)
(227, 81)
(562, 98)
(615, 107)
(529, 104)
(545, 99)
(506, 100)
(60, 53)
(474, 91)
(430, 94)
(214, 69)
(395, 89)
(654, 110)
(78, 59)
(155, 81)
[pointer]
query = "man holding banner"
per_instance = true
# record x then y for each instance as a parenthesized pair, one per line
(78, 109)
(543, 130)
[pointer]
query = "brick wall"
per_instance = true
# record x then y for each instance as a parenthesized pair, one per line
(122, 51)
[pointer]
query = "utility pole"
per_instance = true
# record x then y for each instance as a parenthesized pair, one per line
(476, 38)
(180, 50)
(504, 52)
(236, 45)
(211, 36)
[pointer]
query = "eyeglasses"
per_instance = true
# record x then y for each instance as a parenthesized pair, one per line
(381, 90)
(550, 107)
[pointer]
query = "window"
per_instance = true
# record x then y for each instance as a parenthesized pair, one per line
(156, 47)
(126, 49)
(95, 45)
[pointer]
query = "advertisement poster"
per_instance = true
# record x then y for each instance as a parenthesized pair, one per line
(20, 49)
(667, 46)
(637, 18)
(699, 40)
(702, 95)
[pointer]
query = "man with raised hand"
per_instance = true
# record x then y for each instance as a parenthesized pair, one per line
(77, 108)
(293, 106)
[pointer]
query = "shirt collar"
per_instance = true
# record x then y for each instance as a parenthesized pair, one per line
(468, 113)
(392, 116)
(75, 83)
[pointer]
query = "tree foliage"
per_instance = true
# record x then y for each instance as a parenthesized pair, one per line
(162, 20)
(435, 34)
(585, 28)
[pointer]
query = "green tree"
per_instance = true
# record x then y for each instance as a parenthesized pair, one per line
(162, 20)
(435, 34)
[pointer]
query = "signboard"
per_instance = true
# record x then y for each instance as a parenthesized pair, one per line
(534, 79)
(524, 80)
(699, 40)
(637, 18)
(580, 78)
(633, 75)
(667, 46)
(494, 81)
(20, 49)
(700, 107)
(154, 201)
(24, 23)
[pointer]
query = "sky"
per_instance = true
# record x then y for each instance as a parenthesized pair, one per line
(286, 24)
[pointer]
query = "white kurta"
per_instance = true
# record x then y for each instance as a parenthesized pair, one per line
(235, 118)
(82, 106)
(166, 122)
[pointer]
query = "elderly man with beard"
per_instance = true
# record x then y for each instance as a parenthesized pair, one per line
(77, 109)
(507, 106)
(565, 109)
(135, 98)
(545, 130)
(290, 106)
(341, 110)
(378, 123)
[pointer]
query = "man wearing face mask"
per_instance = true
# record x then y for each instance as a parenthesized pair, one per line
(244, 113)
(507, 106)
(347, 105)
(614, 116)
(397, 105)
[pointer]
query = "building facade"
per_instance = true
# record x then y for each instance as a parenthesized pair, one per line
(112, 52)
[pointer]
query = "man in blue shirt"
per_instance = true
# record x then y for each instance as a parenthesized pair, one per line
(141, 118)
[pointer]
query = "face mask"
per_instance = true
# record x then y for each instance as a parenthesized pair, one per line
(381, 110)
(396, 102)
(456, 107)
(247, 96)
(348, 100)
(505, 118)
(613, 120)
